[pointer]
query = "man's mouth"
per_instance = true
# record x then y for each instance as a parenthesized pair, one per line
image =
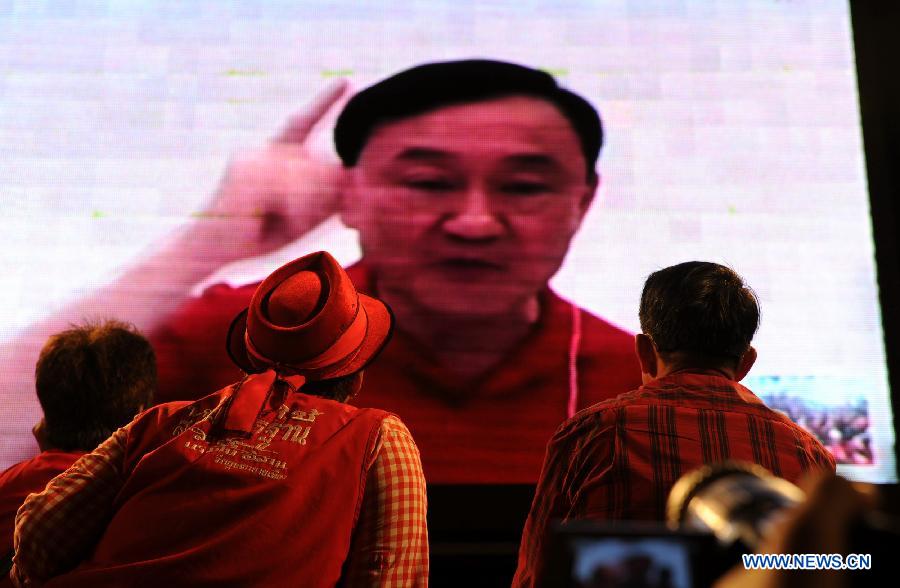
(464, 267)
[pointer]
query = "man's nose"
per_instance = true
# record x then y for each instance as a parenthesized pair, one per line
(475, 219)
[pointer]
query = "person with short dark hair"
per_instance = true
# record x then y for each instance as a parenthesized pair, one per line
(618, 459)
(271, 481)
(90, 380)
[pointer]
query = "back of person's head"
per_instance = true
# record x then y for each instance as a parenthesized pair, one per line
(702, 311)
(91, 380)
(433, 85)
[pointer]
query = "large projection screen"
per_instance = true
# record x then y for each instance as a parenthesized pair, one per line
(732, 135)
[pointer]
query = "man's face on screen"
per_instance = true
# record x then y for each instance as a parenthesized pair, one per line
(469, 209)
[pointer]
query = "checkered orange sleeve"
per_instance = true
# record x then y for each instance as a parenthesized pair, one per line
(56, 529)
(390, 544)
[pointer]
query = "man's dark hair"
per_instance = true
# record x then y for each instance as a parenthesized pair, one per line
(91, 380)
(433, 85)
(340, 388)
(699, 309)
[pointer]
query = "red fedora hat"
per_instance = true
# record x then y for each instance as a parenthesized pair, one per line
(308, 318)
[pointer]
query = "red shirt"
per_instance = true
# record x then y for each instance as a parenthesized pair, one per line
(275, 506)
(59, 527)
(492, 430)
(24, 478)
(618, 460)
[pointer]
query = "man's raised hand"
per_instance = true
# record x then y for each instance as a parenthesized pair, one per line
(271, 196)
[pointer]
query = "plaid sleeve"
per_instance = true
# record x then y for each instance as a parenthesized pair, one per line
(57, 528)
(390, 544)
(549, 496)
(553, 496)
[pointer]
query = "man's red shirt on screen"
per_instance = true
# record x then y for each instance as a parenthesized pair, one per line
(493, 430)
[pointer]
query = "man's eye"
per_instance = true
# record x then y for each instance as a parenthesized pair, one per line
(525, 188)
(429, 185)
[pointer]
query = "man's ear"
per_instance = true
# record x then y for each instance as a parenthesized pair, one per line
(593, 184)
(39, 430)
(348, 202)
(746, 362)
(354, 387)
(646, 353)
